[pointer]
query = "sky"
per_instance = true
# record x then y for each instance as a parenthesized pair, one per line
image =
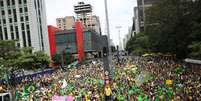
(120, 14)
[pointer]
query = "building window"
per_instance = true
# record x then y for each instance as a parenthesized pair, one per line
(20, 1)
(14, 11)
(21, 18)
(35, 4)
(25, 9)
(39, 12)
(25, 1)
(1, 34)
(27, 27)
(21, 10)
(18, 45)
(24, 38)
(12, 36)
(15, 18)
(22, 26)
(13, 2)
(8, 2)
(1, 3)
(11, 28)
(9, 11)
(6, 33)
(17, 33)
(29, 38)
(4, 21)
(27, 18)
(38, 3)
(3, 12)
(10, 20)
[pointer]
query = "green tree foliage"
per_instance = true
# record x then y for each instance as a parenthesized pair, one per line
(195, 50)
(56, 58)
(13, 57)
(168, 26)
(138, 44)
(9, 53)
(172, 26)
(67, 58)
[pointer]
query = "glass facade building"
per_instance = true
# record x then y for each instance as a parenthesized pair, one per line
(66, 41)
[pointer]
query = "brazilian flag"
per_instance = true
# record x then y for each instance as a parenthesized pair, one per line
(180, 70)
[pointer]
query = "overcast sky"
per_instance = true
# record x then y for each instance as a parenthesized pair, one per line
(120, 13)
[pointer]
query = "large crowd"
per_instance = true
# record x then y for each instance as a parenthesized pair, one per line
(163, 80)
(133, 79)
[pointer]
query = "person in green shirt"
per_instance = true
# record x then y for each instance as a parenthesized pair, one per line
(146, 98)
(139, 98)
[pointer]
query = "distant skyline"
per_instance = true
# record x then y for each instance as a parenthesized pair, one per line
(120, 13)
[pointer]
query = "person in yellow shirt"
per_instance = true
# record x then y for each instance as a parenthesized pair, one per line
(87, 96)
(107, 93)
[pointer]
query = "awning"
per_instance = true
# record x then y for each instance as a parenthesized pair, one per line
(193, 61)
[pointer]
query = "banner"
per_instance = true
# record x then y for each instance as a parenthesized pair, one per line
(62, 98)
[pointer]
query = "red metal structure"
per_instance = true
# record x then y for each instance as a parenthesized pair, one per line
(51, 34)
(79, 39)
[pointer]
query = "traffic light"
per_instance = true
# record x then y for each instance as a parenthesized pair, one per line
(105, 52)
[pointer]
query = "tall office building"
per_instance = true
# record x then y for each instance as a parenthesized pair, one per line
(66, 23)
(25, 21)
(95, 24)
(136, 26)
(141, 10)
(84, 13)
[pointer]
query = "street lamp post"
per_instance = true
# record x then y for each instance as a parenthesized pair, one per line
(108, 34)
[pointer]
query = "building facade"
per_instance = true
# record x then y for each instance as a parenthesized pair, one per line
(25, 21)
(95, 25)
(128, 36)
(84, 14)
(140, 13)
(67, 40)
(66, 23)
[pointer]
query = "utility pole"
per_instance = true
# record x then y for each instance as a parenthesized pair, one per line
(108, 35)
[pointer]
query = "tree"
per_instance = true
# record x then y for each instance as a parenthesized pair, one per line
(195, 50)
(41, 59)
(56, 58)
(30, 60)
(13, 58)
(171, 25)
(9, 53)
(138, 44)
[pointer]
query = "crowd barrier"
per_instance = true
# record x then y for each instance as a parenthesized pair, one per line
(30, 76)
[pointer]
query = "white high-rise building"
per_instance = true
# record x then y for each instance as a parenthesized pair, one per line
(84, 14)
(25, 21)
